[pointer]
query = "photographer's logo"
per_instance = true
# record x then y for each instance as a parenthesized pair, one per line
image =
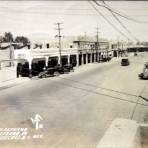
(36, 121)
(21, 133)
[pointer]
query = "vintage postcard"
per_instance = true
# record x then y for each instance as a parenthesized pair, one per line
(74, 74)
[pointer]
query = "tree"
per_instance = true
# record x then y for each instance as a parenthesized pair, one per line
(8, 37)
(22, 39)
(1, 39)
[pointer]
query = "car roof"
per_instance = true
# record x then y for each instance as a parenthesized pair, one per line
(124, 58)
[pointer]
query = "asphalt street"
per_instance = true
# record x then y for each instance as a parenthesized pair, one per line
(76, 108)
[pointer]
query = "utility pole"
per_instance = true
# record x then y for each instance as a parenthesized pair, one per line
(128, 43)
(118, 45)
(59, 36)
(98, 46)
(97, 38)
(85, 35)
(10, 48)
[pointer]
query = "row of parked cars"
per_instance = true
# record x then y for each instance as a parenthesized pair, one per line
(57, 70)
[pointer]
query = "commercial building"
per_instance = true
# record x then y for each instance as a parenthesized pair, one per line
(34, 59)
(79, 53)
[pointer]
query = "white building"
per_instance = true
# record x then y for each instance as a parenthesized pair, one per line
(80, 52)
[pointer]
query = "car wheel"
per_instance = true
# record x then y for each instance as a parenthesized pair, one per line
(71, 70)
(44, 76)
(30, 76)
(56, 73)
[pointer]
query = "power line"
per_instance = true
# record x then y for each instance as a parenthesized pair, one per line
(109, 21)
(72, 14)
(71, 9)
(114, 15)
(124, 26)
(118, 13)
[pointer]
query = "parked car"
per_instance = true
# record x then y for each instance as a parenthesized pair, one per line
(125, 62)
(47, 72)
(55, 71)
(109, 58)
(58, 70)
(68, 68)
(106, 59)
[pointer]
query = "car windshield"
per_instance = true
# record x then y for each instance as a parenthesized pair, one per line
(124, 60)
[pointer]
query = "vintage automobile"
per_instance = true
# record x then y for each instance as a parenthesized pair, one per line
(47, 72)
(135, 54)
(125, 62)
(55, 71)
(59, 69)
(144, 74)
(106, 59)
(68, 67)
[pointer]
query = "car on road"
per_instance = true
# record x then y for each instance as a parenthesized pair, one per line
(125, 62)
(144, 74)
(135, 54)
(55, 71)
(59, 69)
(68, 67)
(107, 59)
(46, 73)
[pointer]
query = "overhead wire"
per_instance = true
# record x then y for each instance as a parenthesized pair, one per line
(119, 13)
(115, 16)
(124, 26)
(108, 21)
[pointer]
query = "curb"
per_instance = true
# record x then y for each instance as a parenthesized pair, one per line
(12, 83)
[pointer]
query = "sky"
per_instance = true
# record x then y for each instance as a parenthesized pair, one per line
(36, 19)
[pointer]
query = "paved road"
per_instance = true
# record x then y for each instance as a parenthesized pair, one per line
(78, 107)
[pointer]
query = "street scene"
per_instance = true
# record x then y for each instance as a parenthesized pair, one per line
(77, 89)
(77, 108)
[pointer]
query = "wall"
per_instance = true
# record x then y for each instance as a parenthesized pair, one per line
(123, 133)
(7, 73)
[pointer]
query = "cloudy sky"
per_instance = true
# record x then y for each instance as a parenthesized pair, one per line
(36, 19)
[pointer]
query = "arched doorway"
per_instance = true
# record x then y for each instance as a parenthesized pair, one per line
(52, 61)
(37, 66)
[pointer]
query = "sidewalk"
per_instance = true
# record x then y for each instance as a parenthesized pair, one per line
(13, 82)
(16, 81)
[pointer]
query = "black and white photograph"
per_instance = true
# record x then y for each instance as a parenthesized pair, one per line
(73, 74)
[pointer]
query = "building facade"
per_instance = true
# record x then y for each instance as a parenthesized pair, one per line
(34, 60)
